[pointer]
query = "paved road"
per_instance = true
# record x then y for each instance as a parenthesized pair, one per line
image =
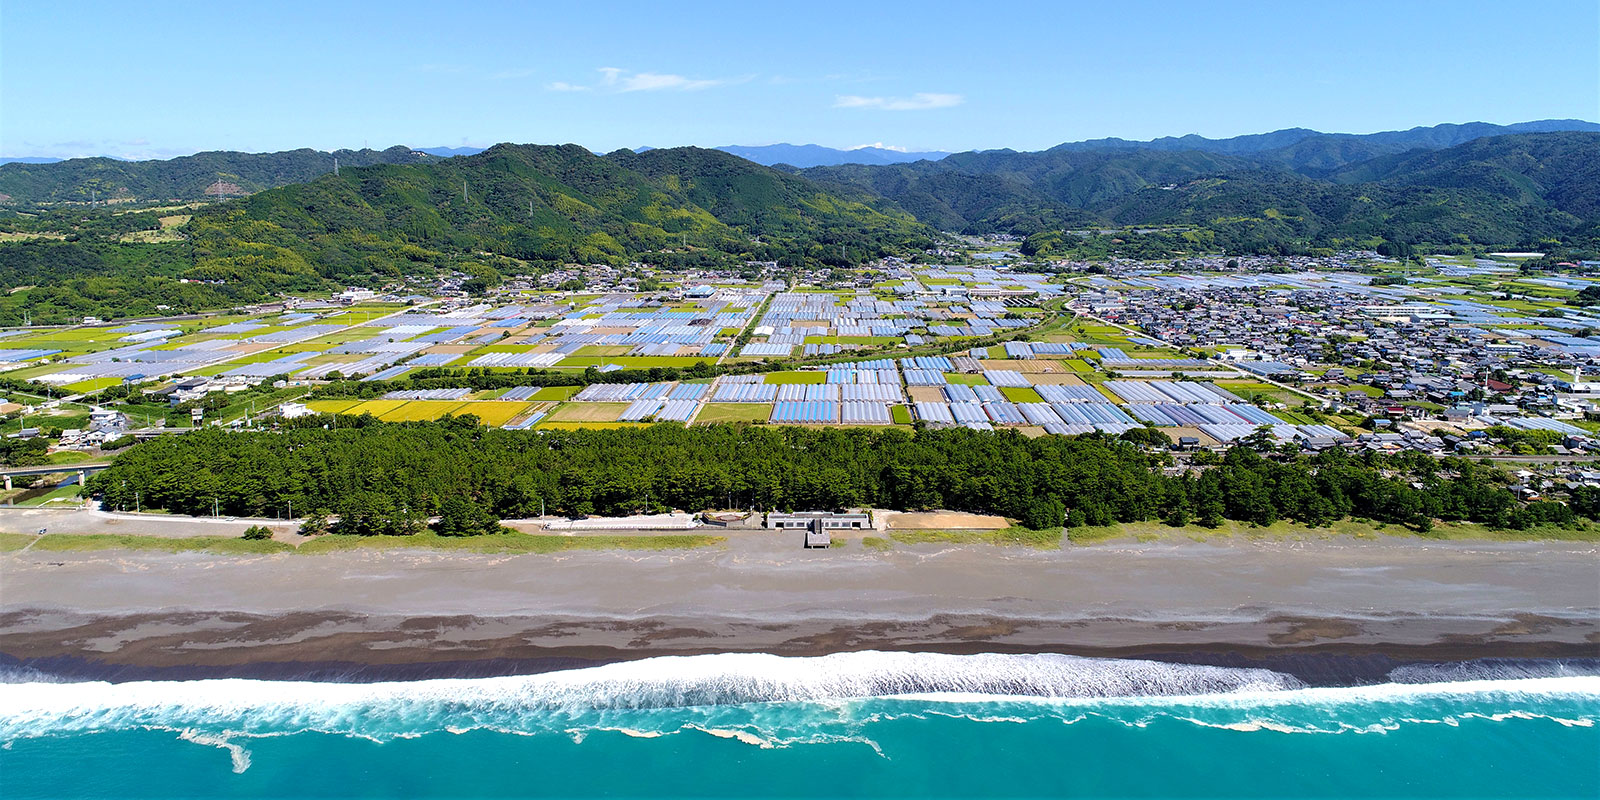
(91, 520)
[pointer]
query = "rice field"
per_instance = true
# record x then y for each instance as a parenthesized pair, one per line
(1021, 394)
(556, 392)
(970, 379)
(796, 377)
(733, 412)
(585, 412)
(421, 410)
(376, 408)
(493, 412)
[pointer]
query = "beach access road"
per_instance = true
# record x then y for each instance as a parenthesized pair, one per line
(91, 520)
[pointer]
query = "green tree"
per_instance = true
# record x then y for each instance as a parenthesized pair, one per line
(315, 524)
(1043, 514)
(459, 516)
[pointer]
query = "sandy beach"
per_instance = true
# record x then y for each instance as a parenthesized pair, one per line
(1331, 610)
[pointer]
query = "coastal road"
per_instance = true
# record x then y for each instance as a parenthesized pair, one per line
(91, 520)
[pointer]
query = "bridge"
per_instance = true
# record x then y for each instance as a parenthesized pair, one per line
(83, 470)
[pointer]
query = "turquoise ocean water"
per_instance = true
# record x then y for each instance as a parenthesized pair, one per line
(881, 724)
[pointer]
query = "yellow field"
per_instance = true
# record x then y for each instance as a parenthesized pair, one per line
(493, 412)
(587, 412)
(490, 412)
(417, 410)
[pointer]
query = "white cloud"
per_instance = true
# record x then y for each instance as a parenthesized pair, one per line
(614, 79)
(881, 146)
(654, 82)
(921, 101)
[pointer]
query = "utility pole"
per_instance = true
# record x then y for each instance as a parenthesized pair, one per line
(463, 190)
(335, 166)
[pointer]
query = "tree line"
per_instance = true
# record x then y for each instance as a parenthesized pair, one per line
(388, 476)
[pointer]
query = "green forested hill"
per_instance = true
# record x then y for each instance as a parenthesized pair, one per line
(560, 205)
(512, 208)
(1004, 190)
(520, 208)
(1559, 169)
(1496, 190)
(185, 178)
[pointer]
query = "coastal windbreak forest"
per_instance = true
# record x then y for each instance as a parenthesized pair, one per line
(389, 475)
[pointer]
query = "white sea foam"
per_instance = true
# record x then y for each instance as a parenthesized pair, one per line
(771, 701)
(236, 751)
(1490, 669)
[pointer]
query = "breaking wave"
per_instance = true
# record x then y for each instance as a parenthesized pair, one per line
(720, 680)
(771, 701)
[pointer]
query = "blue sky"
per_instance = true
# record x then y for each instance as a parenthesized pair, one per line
(149, 80)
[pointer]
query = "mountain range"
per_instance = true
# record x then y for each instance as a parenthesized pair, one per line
(39, 180)
(511, 209)
(525, 208)
(1505, 188)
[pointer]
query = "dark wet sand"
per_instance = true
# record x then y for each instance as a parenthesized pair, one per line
(342, 646)
(1338, 611)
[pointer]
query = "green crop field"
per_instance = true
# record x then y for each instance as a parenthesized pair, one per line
(797, 377)
(556, 392)
(733, 412)
(965, 378)
(1021, 394)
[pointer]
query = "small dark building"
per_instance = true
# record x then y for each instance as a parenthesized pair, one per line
(818, 524)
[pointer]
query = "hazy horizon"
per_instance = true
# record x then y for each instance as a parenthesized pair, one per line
(897, 75)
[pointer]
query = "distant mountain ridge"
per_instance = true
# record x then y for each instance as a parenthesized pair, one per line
(1308, 152)
(815, 155)
(1433, 137)
(185, 177)
(1504, 188)
(1316, 153)
(794, 155)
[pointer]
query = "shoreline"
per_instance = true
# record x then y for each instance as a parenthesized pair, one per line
(1328, 611)
(351, 647)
